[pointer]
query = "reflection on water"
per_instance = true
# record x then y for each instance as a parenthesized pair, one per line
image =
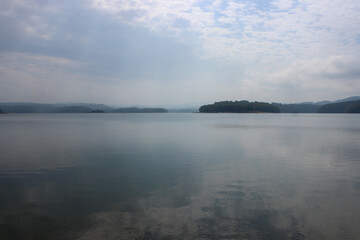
(179, 176)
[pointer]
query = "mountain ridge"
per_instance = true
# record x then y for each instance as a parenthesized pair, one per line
(32, 107)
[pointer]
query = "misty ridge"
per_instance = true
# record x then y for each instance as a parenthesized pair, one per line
(19, 107)
(346, 105)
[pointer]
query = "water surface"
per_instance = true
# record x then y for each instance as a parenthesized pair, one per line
(179, 176)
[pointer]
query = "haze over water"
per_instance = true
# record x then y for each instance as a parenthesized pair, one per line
(179, 176)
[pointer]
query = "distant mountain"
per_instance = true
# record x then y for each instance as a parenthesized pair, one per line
(93, 106)
(304, 103)
(309, 107)
(297, 108)
(27, 107)
(239, 107)
(322, 102)
(341, 107)
(304, 107)
(97, 111)
(23, 107)
(140, 110)
(354, 98)
(2, 112)
(73, 109)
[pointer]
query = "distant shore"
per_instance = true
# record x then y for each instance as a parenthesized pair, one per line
(346, 105)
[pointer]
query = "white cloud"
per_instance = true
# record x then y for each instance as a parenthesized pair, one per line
(234, 48)
(304, 27)
(283, 4)
(30, 17)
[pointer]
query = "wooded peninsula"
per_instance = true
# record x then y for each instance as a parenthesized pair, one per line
(239, 107)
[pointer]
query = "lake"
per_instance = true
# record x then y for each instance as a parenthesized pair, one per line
(179, 176)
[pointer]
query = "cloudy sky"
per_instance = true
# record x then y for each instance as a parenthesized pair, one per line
(178, 52)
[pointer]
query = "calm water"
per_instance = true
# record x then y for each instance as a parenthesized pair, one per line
(179, 176)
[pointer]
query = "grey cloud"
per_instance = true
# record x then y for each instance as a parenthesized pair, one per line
(342, 67)
(175, 51)
(333, 67)
(181, 23)
(83, 34)
(334, 73)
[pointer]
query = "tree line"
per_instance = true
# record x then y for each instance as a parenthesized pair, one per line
(239, 107)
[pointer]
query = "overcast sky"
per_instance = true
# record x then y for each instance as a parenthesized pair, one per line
(172, 53)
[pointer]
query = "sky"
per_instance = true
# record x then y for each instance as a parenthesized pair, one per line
(179, 52)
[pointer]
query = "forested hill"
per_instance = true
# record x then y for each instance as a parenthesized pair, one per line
(20, 107)
(73, 109)
(239, 107)
(341, 107)
(297, 107)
